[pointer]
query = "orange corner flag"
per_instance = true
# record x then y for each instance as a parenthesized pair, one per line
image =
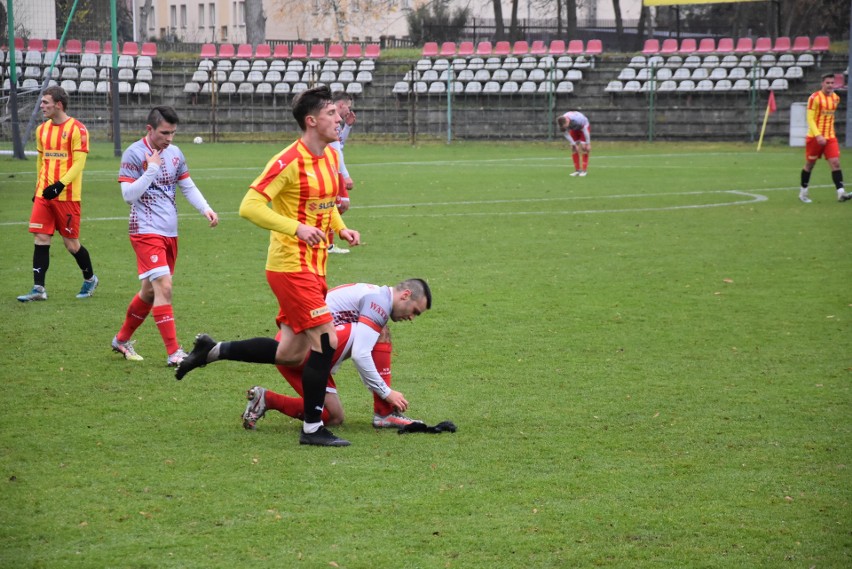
(771, 104)
(770, 108)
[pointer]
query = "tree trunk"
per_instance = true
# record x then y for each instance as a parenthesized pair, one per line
(640, 29)
(513, 27)
(255, 22)
(571, 18)
(339, 19)
(142, 22)
(499, 31)
(558, 18)
(619, 24)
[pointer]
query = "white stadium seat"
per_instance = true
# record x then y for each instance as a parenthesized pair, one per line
(614, 87)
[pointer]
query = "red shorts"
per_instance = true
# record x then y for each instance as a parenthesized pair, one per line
(813, 149)
(155, 255)
(293, 375)
(578, 135)
(301, 299)
(48, 215)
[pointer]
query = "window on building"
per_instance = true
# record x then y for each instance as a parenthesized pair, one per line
(200, 16)
(173, 16)
(183, 16)
(152, 22)
(212, 12)
(238, 13)
(356, 5)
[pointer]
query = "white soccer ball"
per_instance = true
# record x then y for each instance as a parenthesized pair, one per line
(197, 140)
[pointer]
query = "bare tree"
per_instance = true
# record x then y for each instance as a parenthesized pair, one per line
(571, 17)
(142, 22)
(499, 30)
(255, 22)
(619, 24)
(513, 26)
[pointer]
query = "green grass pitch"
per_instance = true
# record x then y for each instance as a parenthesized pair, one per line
(649, 367)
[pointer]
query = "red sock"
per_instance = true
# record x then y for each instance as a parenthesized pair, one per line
(137, 311)
(585, 161)
(290, 406)
(576, 158)
(382, 359)
(165, 319)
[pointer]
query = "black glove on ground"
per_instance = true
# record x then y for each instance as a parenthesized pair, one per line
(418, 427)
(52, 191)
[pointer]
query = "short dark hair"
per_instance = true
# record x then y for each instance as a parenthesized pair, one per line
(826, 76)
(340, 96)
(419, 288)
(162, 114)
(58, 95)
(310, 102)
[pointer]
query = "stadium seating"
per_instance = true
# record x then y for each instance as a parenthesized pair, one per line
(707, 45)
(652, 46)
(502, 48)
(520, 48)
(575, 47)
(317, 51)
(372, 51)
(149, 49)
(594, 47)
(744, 45)
(226, 50)
(782, 43)
(448, 49)
(281, 51)
(299, 51)
(208, 51)
(484, 48)
(92, 46)
(726, 45)
(353, 51)
(336, 51)
(130, 48)
(538, 48)
(430, 49)
(688, 46)
(669, 46)
(466, 49)
(762, 45)
(820, 44)
(245, 51)
(557, 47)
(73, 47)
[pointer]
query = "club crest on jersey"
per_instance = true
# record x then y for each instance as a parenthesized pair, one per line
(175, 161)
(155, 258)
(319, 311)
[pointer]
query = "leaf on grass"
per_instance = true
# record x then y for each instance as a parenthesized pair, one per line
(729, 281)
(146, 515)
(657, 414)
(333, 564)
(84, 524)
(788, 498)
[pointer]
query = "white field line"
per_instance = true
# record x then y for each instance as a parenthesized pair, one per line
(747, 197)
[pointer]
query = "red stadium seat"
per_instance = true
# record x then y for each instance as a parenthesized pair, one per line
(430, 49)
(782, 44)
(149, 49)
(263, 51)
(372, 51)
(130, 48)
(226, 50)
(208, 51)
(73, 47)
(821, 43)
(652, 46)
(245, 51)
(335, 51)
(801, 43)
(575, 47)
(53, 45)
(669, 46)
(299, 51)
(484, 48)
(107, 48)
(20, 44)
(687, 46)
(538, 48)
(353, 51)
(594, 47)
(502, 48)
(317, 51)
(707, 45)
(448, 49)
(281, 51)
(35, 45)
(92, 46)
(466, 49)
(557, 47)
(726, 45)
(763, 45)
(744, 45)
(520, 48)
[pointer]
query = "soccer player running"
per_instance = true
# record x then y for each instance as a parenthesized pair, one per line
(152, 169)
(63, 145)
(301, 184)
(361, 313)
(575, 127)
(821, 139)
(343, 102)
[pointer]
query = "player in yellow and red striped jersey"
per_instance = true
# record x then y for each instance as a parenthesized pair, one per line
(63, 144)
(821, 139)
(301, 184)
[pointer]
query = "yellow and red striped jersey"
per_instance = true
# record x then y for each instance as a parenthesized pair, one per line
(821, 109)
(302, 187)
(56, 145)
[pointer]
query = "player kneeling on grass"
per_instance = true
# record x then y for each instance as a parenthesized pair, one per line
(360, 314)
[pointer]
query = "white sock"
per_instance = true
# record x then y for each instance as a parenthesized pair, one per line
(311, 427)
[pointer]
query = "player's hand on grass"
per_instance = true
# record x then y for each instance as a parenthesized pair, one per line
(398, 400)
(352, 237)
(310, 235)
(52, 191)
